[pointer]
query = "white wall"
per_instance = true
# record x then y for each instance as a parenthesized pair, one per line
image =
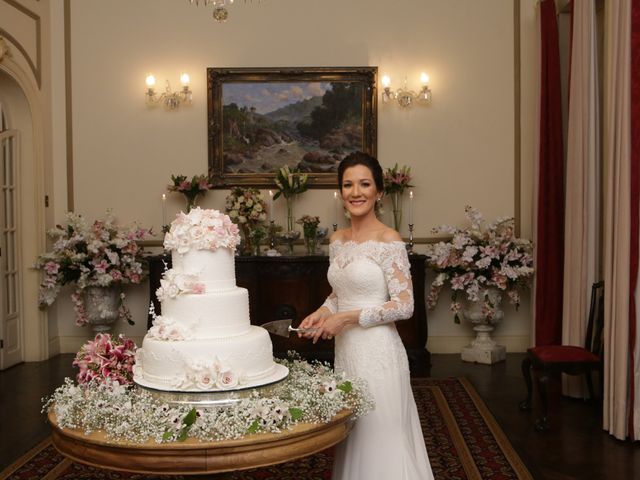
(461, 148)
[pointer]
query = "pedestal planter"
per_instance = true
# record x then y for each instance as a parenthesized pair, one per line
(483, 349)
(102, 305)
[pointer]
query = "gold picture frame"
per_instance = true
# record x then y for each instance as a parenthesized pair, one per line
(260, 119)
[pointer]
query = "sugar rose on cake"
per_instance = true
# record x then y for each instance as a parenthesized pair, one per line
(202, 338)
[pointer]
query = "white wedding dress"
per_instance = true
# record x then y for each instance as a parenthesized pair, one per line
(386, 444)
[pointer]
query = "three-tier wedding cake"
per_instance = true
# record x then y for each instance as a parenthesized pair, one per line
(203, 340)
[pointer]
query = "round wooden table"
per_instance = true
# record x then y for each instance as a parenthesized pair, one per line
(195, 457)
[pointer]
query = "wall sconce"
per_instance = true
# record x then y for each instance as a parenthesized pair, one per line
(404, 96)
(171, 100)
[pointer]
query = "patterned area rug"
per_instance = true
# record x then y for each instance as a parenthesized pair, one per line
(462, 438)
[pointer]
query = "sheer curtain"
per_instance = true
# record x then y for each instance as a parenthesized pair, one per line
(619, 402)
(582, 219)
(634, 344)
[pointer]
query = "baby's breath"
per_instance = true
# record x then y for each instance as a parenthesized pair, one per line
(312, 393)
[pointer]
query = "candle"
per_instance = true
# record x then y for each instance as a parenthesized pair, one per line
(411, 207)
(270, 205)
(336, 205)
(164, 210)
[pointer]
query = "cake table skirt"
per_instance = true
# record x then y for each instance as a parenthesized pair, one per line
(196, 457)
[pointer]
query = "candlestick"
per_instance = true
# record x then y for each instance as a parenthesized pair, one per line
(336, 205)
(410, 244)
(411, 207)
(272, 233)
(271, 206)
(165, 227)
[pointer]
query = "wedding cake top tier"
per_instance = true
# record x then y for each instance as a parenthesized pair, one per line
(202, 245)
(201, 230)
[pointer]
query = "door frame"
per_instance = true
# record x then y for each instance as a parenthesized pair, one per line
(35, 328)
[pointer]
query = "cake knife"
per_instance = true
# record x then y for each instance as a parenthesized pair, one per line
(283, 328)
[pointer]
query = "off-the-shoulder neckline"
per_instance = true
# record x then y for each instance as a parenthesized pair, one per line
(353, 242)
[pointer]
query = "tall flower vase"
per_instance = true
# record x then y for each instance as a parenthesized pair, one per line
(101, 306)
(191, 202)
(396, 201)
(247, 244)
(290, 220)
(484, 314)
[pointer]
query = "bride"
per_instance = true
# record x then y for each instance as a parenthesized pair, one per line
(371, 282)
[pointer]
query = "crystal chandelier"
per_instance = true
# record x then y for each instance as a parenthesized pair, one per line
(220, 12)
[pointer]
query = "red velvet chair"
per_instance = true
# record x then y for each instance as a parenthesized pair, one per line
(549, 360)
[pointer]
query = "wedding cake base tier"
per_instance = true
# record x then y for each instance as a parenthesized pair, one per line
(487, 354)
(220, 398)
(193, 457)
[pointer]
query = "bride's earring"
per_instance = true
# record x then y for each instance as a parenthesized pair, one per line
(378, 205)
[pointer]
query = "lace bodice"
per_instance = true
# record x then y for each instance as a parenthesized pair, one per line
(373, 277)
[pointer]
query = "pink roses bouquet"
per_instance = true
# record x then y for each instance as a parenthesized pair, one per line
(106, 359)
(191, 189)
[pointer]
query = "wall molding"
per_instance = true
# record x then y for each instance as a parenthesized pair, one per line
(517, 126)
(68, 82)
(36, 67)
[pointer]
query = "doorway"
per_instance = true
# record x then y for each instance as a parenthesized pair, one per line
(11, 351)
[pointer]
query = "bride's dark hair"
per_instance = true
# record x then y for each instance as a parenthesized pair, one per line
(361, 158)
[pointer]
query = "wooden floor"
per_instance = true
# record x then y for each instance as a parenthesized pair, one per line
(576, 448)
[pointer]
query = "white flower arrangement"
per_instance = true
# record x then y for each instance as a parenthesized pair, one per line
(480, 258)
(311, 393)
(201, 230)
(100, 254)
(246, 206)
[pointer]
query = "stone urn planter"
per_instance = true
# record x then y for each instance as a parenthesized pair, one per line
(101, 306)
(484, 314)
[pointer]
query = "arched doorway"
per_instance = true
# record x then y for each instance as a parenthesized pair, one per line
(23, 327)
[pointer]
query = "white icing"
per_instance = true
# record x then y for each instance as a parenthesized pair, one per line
(216, 270)
(188, 365)
(204, 340)
(211, 314)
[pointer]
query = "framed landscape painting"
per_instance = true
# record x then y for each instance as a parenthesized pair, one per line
(261, 119)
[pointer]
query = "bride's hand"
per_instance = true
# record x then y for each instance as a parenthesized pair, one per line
(334, 323)
(330, 327)
(314, 320)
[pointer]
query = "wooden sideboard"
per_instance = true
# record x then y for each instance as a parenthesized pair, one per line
(293, 287)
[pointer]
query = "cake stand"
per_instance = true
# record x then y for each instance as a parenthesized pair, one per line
(220, 398)
(193, 457)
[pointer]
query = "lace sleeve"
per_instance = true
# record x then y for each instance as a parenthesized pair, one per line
(397, 271)
(332, 300)
(331, 303)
